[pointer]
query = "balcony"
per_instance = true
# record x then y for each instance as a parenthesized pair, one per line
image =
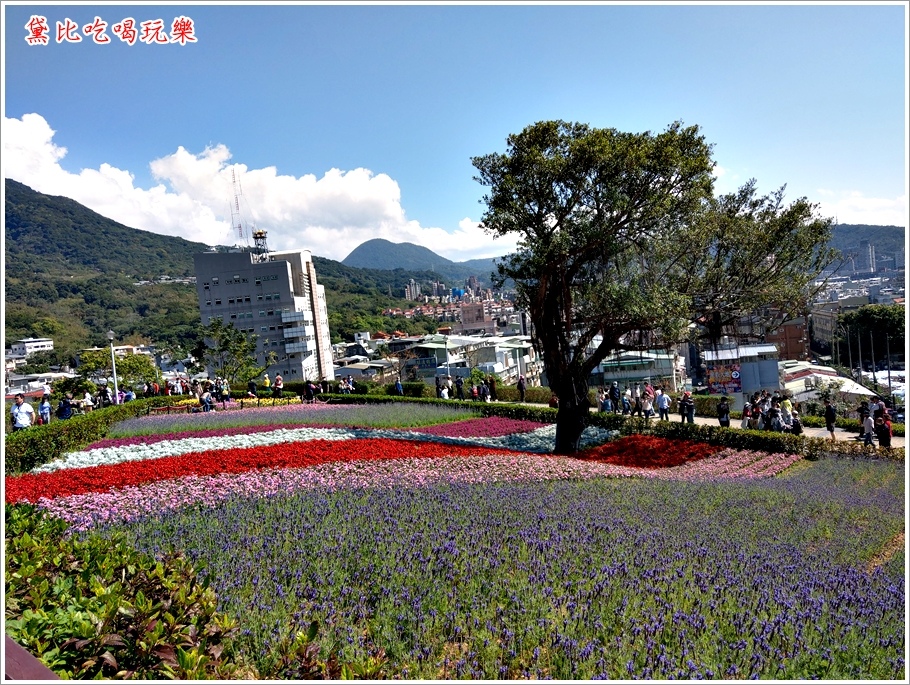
(289, 317)
(300, 332)
(308, 346)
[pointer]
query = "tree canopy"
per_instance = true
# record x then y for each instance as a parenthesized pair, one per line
(622, 244)
(231, 352)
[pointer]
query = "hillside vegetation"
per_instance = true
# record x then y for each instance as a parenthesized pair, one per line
(71, 273)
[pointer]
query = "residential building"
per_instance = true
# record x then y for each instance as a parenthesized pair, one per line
(28, 346)
(791, 338)
(658, 367)
(274, 296)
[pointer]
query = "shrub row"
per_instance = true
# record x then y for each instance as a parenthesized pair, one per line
(40, 444)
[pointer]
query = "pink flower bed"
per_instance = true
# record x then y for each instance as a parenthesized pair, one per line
(486, 427)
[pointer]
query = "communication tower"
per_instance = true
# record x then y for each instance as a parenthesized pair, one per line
(236, 221)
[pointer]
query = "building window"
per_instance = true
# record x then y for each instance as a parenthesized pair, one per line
(208, 303)
(276, 296)
(271, 328)
(246, 299)
(264, 329)
(258, 281)
(259, 298)
(261, 312)
(217, 301)
(214, 281)
(268, 297)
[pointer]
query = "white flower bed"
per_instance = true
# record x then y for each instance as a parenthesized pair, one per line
(540, 441)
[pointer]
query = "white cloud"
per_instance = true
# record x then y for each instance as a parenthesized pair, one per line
(852, 207)
(329, 216)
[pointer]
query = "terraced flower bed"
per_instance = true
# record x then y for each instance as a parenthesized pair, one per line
(443, 545)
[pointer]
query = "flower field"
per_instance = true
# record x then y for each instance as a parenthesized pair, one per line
(435, 544)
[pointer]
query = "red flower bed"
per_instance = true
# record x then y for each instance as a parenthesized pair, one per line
(31, 487)
(648, 452)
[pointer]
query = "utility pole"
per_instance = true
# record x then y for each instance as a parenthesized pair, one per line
(872, 354)
(888, 353)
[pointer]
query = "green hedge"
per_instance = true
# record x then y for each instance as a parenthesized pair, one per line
(40, 444)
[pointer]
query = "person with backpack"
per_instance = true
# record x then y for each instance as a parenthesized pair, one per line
(65, 407)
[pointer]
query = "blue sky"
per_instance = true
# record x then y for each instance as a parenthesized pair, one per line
(352, 122)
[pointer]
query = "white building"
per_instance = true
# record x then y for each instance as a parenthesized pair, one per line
(28, 346)
(275, 296)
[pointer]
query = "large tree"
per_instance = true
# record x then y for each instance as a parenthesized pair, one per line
(622, 244)
(231, 353)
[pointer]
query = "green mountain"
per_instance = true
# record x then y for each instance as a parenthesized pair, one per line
(888, 240)
(70, 275)
(383, 254)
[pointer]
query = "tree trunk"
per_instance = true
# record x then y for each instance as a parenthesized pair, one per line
(571, 420)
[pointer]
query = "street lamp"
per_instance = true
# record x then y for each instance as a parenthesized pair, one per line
(110, 337)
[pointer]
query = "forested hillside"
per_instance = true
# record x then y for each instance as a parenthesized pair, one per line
(70, 275)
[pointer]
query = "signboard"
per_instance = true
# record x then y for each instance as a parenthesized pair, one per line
(724, 379)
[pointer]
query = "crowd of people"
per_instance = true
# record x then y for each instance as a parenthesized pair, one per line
(771, 411)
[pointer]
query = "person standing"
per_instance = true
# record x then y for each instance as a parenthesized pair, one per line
(491, 383)
(438, 388)
(399, 388)
(266, 382)
(796, 425)
(636, 400)
(723, 412)
(883, 430)
(687, 408)
(521, 388)
(21, 413)
(45, 409)
(279, 386)
(251, 388)
(459, 386)
(830, 418)
(868, 428)
(646, 406)
(663, 406)
(614, 396)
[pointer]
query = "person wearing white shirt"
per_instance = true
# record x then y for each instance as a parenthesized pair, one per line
(21, 413)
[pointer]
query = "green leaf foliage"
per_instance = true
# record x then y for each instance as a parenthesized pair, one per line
(92, 607)
(621, 245)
